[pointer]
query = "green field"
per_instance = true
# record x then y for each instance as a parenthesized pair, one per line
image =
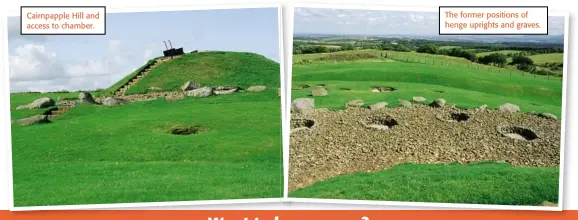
(499, 51)
(548, 58)
(458, 84)
(465, 87)
(94, 154)
(479, 183)
(449, 47)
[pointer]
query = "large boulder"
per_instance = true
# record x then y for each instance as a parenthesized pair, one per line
(419, 99)
(378, 105)
(303, 105)
(201, 92)
(38, 103)
(508, 107)
(37, 119)
(86, 97)
(319, 92)
(190, 85)
(110, 101)
(354, 103)
(404, 103)
(438, 103)
(257, 88)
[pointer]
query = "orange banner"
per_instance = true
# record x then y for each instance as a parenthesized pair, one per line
(286, 215)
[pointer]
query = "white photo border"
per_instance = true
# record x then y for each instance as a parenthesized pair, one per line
(430, 204)
(146, 204)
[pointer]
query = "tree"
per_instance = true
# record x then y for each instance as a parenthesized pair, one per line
(522, 60)
(429, 48)
(526, 67)
(497, 59)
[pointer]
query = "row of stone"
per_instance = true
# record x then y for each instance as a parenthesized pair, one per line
(307, 105)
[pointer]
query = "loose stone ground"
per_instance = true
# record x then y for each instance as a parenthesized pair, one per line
(356, 139)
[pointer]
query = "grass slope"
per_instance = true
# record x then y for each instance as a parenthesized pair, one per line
(212, 68)
(479, 183)
(548, 58)
(465, 87)
(17, 99)
(499, 51)
(96, 154)
(110, 90)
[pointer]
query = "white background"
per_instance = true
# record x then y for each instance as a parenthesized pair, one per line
(98, 24)
(571, 165)
(535, 15)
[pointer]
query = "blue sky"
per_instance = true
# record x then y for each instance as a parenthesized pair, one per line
(51, 63)
(374, 22)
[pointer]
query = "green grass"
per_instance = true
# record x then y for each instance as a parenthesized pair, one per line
(97, 154)
(548, 58)
(17, 99)
(110, 90)
(499, 51)
(465, 87)
(449, 47)
(211, 68)
(479, 183)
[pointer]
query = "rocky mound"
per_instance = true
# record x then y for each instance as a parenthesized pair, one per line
(359, 139)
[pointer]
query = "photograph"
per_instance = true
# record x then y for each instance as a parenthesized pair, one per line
(385, 109)
(168, 106)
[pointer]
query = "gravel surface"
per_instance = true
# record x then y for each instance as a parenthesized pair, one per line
(359, 139)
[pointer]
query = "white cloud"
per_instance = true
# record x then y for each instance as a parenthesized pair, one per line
(356, 21)
(34, 68)
(32, 62)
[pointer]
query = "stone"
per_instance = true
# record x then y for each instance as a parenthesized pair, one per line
(319, 92)
(548, 116)
(38, 103)
(110, 101)
(438, 103)
(404, 103)
(190, 85)
(354, 103)
(257, 88)
(224, 90)
(201, 92)
(303, 105)
(171, 98)
(322, 110)
(154, 88)
(419, 99)
(483, 107)
(378, 105)
(86, 97)
(508, 107)
(37, 119)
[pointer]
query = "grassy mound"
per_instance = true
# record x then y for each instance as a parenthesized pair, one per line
(211, 68)
(479, 183)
